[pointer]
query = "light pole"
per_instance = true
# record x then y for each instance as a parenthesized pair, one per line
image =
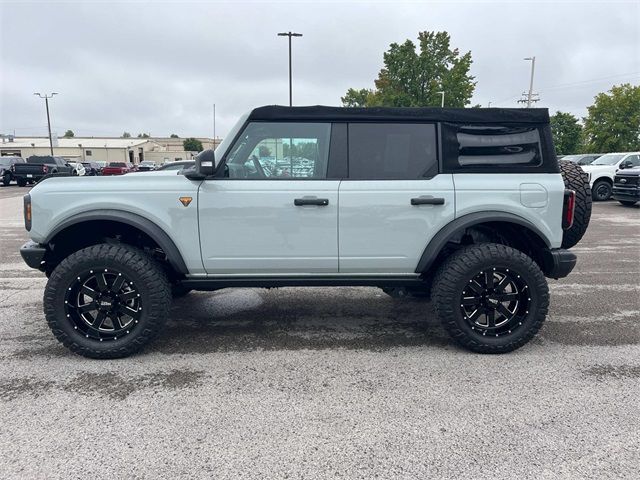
(442, 103)
(46, 101)
(533, 67)
(290, 34)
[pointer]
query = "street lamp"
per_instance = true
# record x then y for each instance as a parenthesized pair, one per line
(533, 67)
(442, 103)
(290, 34)
(46, 101)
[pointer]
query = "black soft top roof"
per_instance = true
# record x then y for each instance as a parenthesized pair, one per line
(392, 114)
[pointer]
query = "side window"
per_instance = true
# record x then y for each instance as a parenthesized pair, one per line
(283, 150)
(492, 148)
(379, 151)
(88, 153)
(497, 146)
(634, 159)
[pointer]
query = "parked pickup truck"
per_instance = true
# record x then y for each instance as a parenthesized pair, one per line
(37, 167)
(467, 206)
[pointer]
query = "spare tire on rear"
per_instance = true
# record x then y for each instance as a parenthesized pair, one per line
(577, 180)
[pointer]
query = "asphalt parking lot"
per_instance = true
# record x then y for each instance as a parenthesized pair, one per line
(330, 383)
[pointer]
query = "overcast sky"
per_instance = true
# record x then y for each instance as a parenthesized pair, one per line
(158, 67)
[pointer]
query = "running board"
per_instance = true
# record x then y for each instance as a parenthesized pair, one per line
(217, 283)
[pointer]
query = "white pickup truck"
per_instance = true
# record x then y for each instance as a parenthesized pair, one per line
(468, 205)
(603, 170)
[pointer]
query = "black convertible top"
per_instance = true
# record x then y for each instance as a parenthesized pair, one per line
(391, 114)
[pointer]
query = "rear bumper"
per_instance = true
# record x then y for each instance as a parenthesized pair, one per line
(33, 254)
(558, 262)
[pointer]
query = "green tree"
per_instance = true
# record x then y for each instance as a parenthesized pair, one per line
(126, 135)
(613, 121)
(143, 135)
(412, 78)
(69, 134)
(173, 135)
(567, 133)
(192, 145)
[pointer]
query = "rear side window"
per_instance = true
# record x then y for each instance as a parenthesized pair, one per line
(496, 148)
(380, 151)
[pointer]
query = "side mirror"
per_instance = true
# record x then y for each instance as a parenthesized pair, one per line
(626, 164)
(205, 165)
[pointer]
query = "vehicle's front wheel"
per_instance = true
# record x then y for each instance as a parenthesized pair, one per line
(6, 179)
(21, 182)
(491, 298)
(628, 203)
(601, 190)
(107, 301)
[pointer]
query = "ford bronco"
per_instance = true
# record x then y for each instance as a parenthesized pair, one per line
(469, 207)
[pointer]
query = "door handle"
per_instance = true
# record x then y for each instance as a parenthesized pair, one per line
(427, 200)
(321, 202)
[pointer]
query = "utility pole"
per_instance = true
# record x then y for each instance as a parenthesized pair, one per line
(46, 101)
(442, 103)
(530, 95)
(214, 126)
(290, 34)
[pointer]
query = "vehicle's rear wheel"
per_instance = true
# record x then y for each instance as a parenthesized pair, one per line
(21, 182)
(602, 190)
(107, 301)
(628, 203)
(577, 180)
(490, 298)
(6, 179)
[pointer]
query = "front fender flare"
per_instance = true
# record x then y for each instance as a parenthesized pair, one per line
(145, 225)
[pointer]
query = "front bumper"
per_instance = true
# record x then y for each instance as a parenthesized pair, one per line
(626, 193)
(33, 254)
(558, 262)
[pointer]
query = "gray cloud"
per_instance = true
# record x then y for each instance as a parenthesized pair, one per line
(159, 66)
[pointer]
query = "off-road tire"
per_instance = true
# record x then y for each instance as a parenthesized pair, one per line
(601, 191)
(150, 280)
(21, 182)
(452, 278)
(628, 203)
(577, 180)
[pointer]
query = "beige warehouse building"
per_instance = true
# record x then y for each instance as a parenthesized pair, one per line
(106, 149)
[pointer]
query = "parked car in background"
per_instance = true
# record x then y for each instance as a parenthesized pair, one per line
(77, 169)
(92, 168)
(581, 159)
(6, 175)
(117, 168)
(37, 167)
(101, 164)
(626, 186)
(602, 171)
(147, 166)
(179, 165)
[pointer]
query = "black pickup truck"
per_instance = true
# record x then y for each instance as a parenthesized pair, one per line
(626, 186)
(37, 167)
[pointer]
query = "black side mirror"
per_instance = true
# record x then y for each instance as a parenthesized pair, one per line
(626, 164)
(205, 166)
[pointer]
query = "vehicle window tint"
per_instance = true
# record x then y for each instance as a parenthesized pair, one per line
(280, 150)
(497, 146)
(392, 151)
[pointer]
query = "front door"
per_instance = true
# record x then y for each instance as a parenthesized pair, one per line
(274, 212)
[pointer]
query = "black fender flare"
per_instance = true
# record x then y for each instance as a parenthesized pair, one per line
(457, 226)
(145, 225)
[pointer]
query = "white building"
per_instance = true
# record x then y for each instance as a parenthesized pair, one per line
(108, 149)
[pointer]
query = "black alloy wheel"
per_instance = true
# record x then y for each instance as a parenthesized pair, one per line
(602, 191)
(495, 301)
(103, 305)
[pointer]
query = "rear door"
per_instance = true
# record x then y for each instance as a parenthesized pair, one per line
(275, 212)
(393, 201)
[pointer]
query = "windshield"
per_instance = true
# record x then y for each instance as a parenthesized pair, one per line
(147, 163)
(117, 164)
(609, 159)
(572, 158)
(5, 162)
